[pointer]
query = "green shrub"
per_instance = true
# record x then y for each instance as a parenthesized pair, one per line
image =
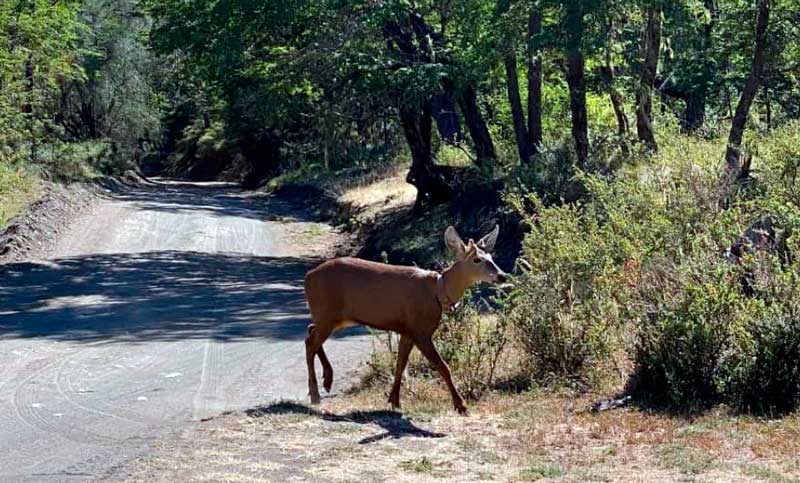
(568, 310)
(764, 378)
(79, 160)
(699, 322)
(637, 273)
(769, 381)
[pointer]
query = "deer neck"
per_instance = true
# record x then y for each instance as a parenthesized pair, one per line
(452, 284)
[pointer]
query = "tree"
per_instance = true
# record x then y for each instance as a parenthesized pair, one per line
(528, 136)
(39, 45)
(754, 81)
(534, 79)
(117, 99)
(574, 25)
(608, 75)
(692, 61)
(652, 45)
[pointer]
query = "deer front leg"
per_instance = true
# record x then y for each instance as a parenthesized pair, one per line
(427, 348)
(404, 349)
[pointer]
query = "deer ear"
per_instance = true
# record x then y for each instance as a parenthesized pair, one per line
(454, 242)
(487, 242)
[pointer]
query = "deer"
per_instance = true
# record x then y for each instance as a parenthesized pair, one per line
(406, 300)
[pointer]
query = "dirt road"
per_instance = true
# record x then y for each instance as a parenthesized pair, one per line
(162, 305)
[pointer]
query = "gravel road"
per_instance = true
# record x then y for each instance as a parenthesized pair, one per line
(162, 305)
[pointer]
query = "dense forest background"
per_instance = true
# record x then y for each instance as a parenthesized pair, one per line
(248, 89)
(646, 152)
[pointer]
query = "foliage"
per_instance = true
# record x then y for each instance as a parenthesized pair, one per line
(38, 46)
(76, 81)
(640, 268)
(120, 88)
(17, 185)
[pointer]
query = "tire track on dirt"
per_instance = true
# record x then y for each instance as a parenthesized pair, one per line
(210, 399)
(29, 409)
(95, 409)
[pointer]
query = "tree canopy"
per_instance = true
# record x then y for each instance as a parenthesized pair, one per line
(210, 86)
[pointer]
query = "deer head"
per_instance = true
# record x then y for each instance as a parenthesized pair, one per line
(474, 260)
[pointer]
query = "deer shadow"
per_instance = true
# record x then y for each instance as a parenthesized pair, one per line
(393, 423)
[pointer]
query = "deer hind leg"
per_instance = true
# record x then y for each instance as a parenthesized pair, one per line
(327, 369)
(403, 351)
(317, 333)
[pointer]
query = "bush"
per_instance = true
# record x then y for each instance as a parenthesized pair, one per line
(638, 273)
(699, 322)
(563, 311)
(769, 381)
(765, 376)
(78, 161)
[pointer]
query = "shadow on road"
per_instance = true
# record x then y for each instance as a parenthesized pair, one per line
(155, 296)
(395, 426)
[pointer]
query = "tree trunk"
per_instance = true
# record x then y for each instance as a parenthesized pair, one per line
(575, 80)
(412, 37)
(754, 79)
(769, 109)
(27, 107)
(619, 111)
(517, 116)
(695, 114)
(484, 148)
(613, 93)
(263, 151)
(448, 124)
(431, 185)
(644, 107)
(534, 82)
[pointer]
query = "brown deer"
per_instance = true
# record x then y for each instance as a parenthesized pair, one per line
(406, 300)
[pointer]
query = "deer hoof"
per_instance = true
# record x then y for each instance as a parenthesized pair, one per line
(327, 382)
(462, 410)
(315, 399)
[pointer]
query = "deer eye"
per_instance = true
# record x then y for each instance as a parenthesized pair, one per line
(477, 260)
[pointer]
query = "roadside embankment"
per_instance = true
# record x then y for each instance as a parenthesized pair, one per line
(47, 208)
(29, 233)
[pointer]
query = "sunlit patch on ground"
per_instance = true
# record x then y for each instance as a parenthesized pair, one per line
(388, 193)
(75, 302)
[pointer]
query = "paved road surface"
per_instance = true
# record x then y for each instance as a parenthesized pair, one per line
(160, 306)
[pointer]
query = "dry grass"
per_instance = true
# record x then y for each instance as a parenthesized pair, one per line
(18, 188)
(370, 199)
(505, 438)
(387, 193)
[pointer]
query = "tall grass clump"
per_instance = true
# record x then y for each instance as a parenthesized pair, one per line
(17, 186)
(659, 268)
